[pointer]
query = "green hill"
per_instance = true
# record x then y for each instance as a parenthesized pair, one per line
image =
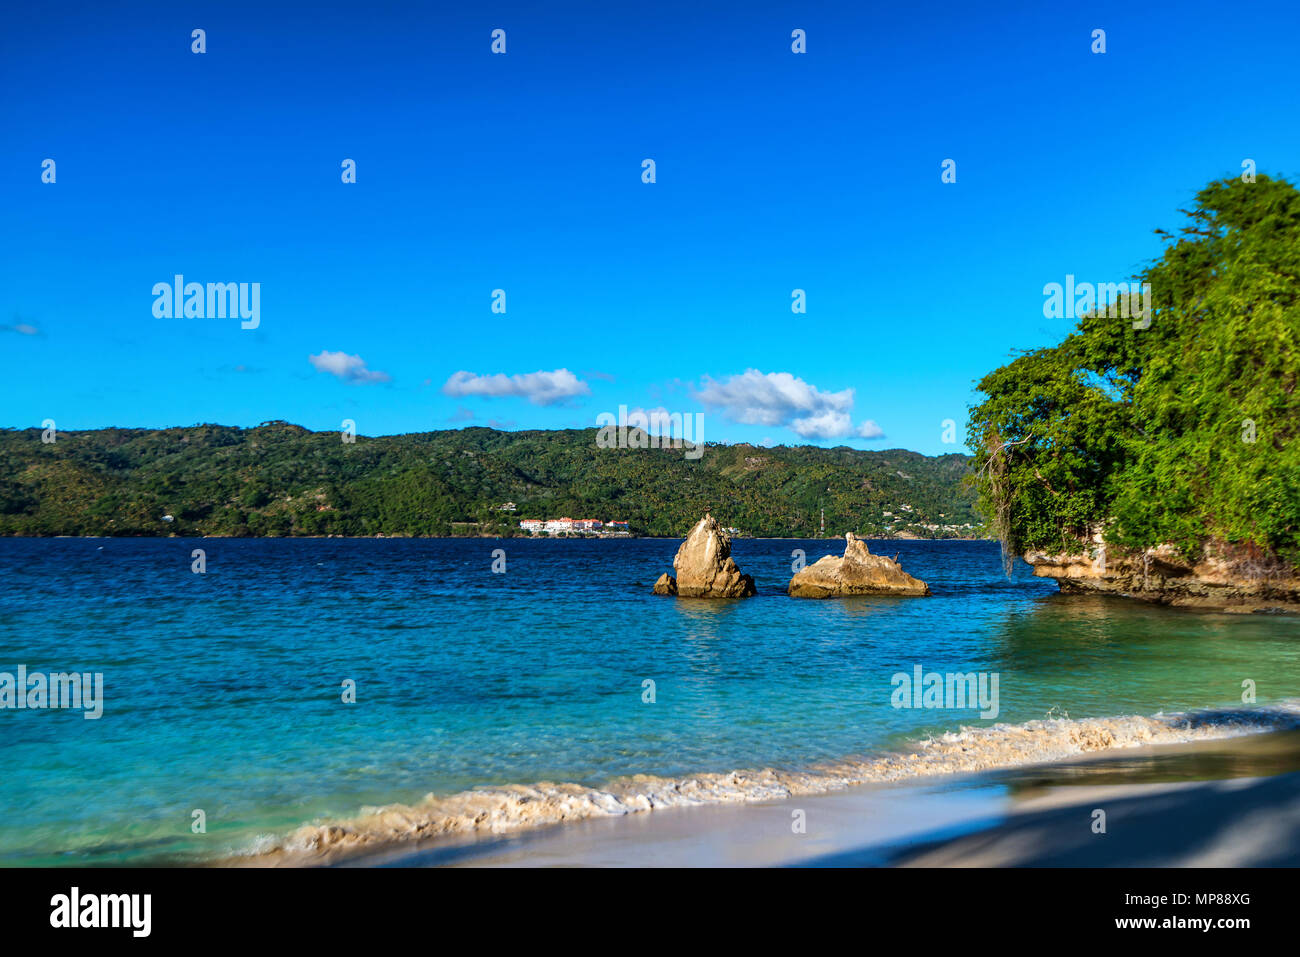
(281, 479)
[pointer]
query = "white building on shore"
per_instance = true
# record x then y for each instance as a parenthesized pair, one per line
(558, 526)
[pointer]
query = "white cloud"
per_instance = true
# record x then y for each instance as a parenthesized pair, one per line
(346, 367)
(539, 388)
(22, 328)
(824, 425)
(779, 398)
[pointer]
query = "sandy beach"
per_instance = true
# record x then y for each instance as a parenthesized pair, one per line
(1217, 801)
(1231, 803)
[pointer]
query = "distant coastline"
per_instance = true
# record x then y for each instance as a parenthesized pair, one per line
(829, 539)
(282, 480)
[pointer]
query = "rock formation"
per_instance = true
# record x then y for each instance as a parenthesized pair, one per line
(858, 572)
(666, 585)
(1217, 579)
(704, 566)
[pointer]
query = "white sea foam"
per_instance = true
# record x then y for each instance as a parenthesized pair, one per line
(518, 807)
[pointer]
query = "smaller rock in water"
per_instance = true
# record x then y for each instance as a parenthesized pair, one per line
(858, 572)
(666, 585)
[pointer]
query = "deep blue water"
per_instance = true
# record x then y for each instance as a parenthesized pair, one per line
(223, 690)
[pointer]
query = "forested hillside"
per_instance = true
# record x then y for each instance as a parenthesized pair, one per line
(281, 479)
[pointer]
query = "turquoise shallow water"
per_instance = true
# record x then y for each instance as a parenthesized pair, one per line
(222, 691)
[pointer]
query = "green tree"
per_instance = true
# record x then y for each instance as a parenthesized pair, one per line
(1180, 432)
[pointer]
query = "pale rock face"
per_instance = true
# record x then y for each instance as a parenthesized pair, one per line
(1163, 575)
(704, 566)
(857, 572)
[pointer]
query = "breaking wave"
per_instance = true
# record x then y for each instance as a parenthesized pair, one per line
(517, 807)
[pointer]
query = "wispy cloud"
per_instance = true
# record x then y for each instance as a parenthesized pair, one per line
(22, 329)
(348, 368)
(779, 398)
(539, 388)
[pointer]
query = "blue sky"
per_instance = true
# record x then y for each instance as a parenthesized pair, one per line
(774, 171)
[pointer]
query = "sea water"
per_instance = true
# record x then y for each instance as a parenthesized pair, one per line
(228, 718)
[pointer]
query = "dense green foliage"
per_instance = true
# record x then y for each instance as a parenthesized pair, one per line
(280, 479)
(1179, 433)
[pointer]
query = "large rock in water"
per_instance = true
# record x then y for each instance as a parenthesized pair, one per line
(704, 566)
(858, 573)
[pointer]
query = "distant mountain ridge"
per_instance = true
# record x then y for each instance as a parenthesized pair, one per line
(282, 479)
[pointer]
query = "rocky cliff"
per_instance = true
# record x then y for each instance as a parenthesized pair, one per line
(1218, 579)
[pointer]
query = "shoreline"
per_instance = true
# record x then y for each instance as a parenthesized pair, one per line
(1232, 802)
(438, 825)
